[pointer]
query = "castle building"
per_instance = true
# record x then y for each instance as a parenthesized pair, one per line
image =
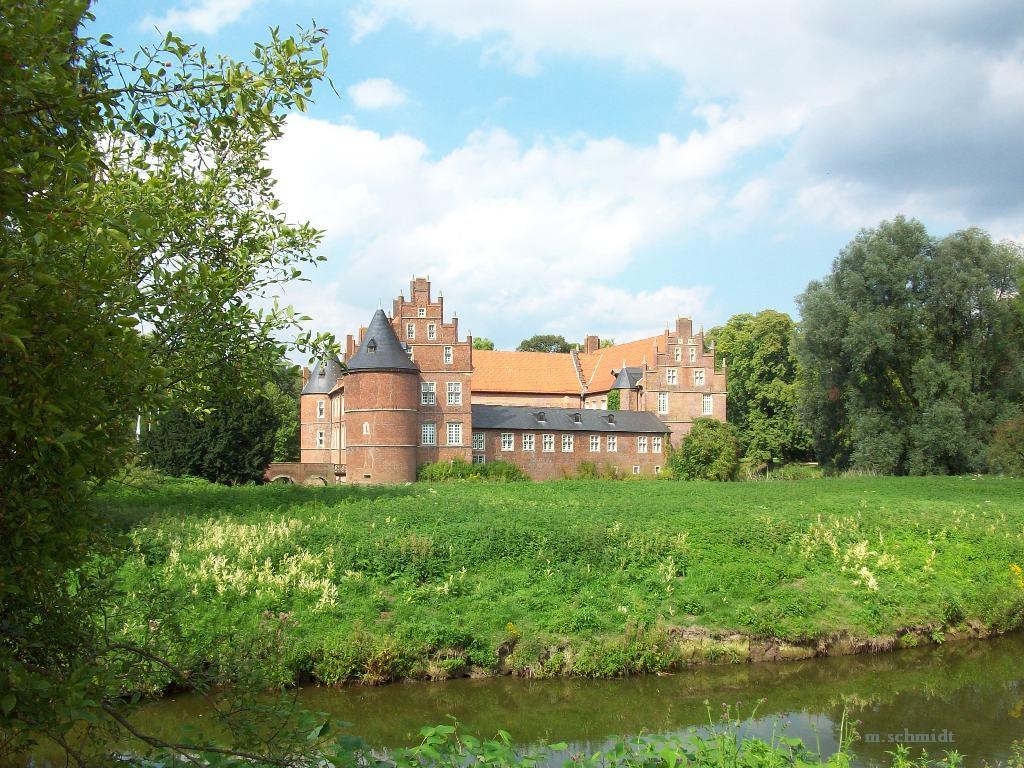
(409, 391)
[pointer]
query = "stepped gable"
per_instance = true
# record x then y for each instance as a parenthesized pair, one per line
(381, 350)
(322, 383)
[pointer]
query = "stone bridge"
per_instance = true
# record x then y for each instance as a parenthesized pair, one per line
(305, 473)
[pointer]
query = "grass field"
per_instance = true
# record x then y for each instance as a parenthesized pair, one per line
(568, 577)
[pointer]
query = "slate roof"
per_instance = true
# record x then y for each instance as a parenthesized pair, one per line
(381, 349)
(524, 372)
(563, 419)
(321, 385)
(597, 366)
(628, 378)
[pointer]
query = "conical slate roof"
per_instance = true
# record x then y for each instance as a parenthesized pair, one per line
(321, 385)
(627, 378)
(381, 349)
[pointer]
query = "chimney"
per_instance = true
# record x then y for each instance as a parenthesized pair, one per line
(305, 375)
(591, 344)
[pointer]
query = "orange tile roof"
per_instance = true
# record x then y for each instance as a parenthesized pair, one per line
(532, 372)
(597, 366)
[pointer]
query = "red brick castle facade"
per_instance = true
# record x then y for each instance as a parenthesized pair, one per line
(410, 391)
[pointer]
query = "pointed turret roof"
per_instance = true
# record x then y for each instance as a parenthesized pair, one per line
(381, 349)
(627, 378)
(323, 377)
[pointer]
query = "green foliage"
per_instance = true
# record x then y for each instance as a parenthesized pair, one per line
(614, 400)
(763, 388)
(481, 342)
(1006, 453)
(138, 229)
(544, 342)
(425, 580)
(502, 471)
(231, 444)
(912, 350)
(711, 451)
(283, 391)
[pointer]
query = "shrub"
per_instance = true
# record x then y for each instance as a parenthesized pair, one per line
(1006, 451)
(458, 469)
(710, 452)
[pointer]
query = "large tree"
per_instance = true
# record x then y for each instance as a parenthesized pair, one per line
(912, 350)
(283, 391)
(139, 244)
(763, 390)
(544, 342)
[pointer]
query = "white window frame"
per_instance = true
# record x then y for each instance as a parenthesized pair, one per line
(508, 441)
(595, 443)
(448, 356)
(672, 376)
(479, 458)
(693, 354)
(612, 444)
(636, 469)
(453, 432)
(428, 433)
(641, 444)
(698, 377)
(679, 354)
(431, 332)
(568, 443)
(479, 441)
(529, 442)
(454, 393)
(663, 402)
(656, 444)
(410, 330)
(321, 410)
(707, 405)
(428, 393)
(421, 311)
(657, 470)
(319, 438)
(366, 428)
(547, 443)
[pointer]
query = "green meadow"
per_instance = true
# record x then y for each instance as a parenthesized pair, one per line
(575, 577)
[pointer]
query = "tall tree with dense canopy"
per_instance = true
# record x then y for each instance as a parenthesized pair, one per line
(140, 243)
(481, 342)
(763, 389)
(544, 342)
(912, 350)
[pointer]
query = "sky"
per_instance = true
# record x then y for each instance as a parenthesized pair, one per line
(586, 166)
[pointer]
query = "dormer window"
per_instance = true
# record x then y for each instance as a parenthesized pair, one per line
(611, 418)
(371, 348)
(541, 417)
(577, 418)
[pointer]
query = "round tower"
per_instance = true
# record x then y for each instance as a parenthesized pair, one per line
(315, 411)
(381, 408)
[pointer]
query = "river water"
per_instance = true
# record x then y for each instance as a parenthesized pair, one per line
(965, 696)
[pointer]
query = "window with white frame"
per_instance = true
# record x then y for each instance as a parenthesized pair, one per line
(421, 311)
(657, 470)
(663, 402)
(428, 393)
(454, 433)
(672, 376)
(447, 355)
(508, 441)
(567, 443)
(366, 427)
(319, 438)
(698, 377)
(428, 434)
(613, 443)
(693, 354)
(529, 442)
(595, 443)
(410, 330)
(656, 444)
(708, 405)
(641, 444)
(431, 332)
(479, 458)
(636, 469)
(478, 441)
(679, 354)
(319, 409)
(548, 443)
(454, 393)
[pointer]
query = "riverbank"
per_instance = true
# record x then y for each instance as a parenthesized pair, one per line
(582, 578)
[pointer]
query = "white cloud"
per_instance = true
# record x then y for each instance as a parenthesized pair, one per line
(207, 16)
(883, 102)
(376, 93)
(521, 238)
